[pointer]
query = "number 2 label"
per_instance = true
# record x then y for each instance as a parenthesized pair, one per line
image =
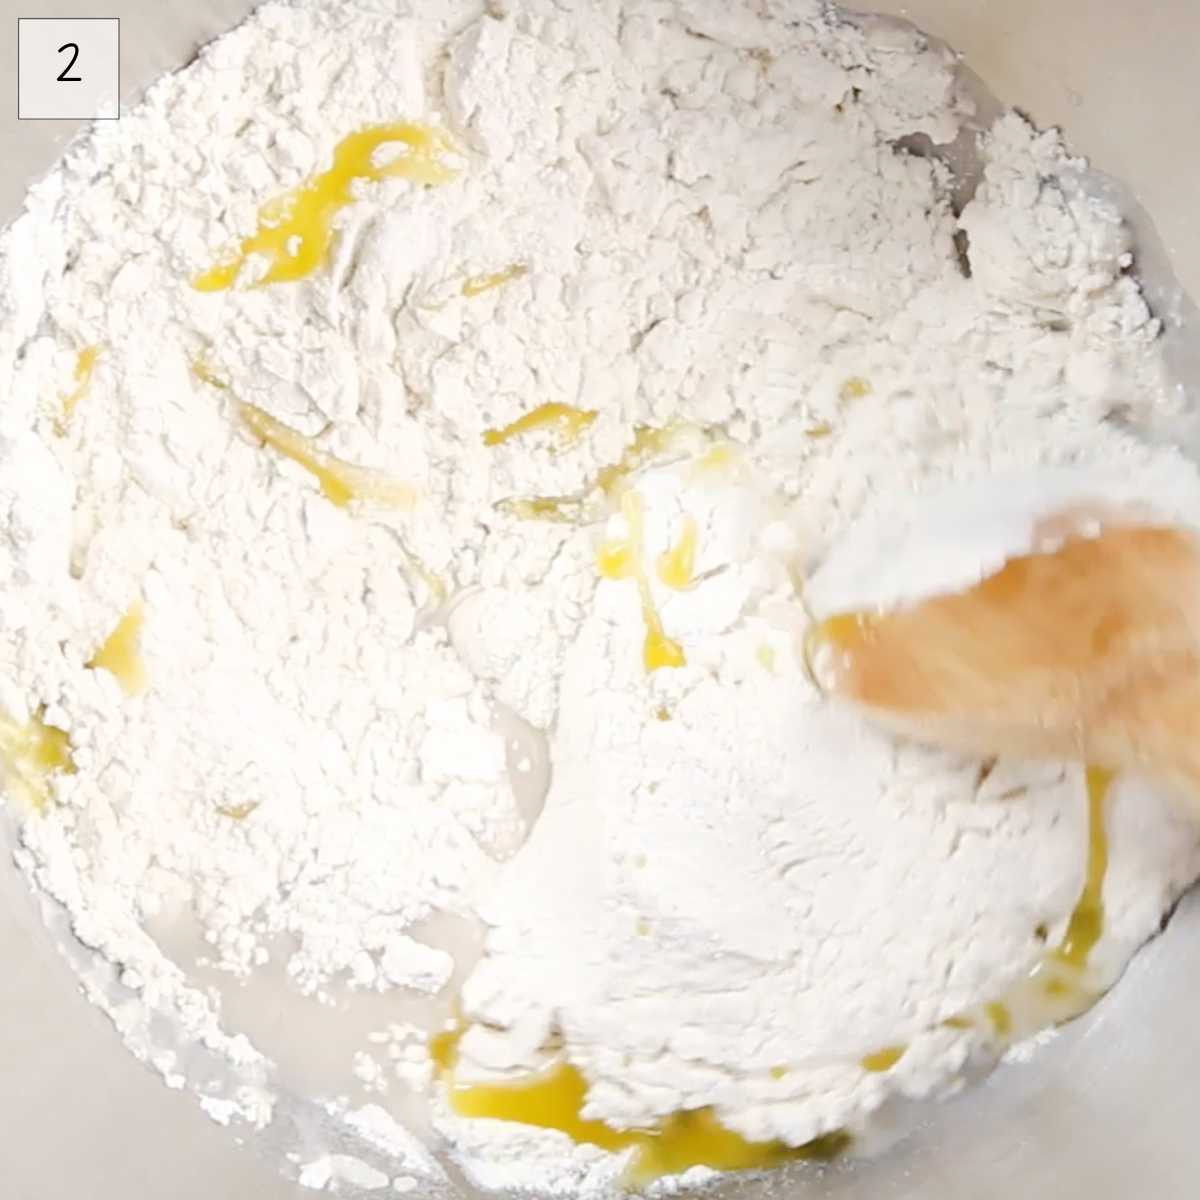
(64, 77)
(68, 68)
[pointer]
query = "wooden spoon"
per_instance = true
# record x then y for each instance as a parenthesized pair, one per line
(1086, 646)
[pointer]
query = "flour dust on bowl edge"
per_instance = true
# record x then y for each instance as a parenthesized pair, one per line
(649, 555)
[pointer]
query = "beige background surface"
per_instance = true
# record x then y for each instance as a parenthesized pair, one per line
(1109, 1111)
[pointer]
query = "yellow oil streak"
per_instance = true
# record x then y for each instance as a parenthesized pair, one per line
(476, 285)
(85, 366)
(564, 509)
(121, 653)
(622, 559)
(1058, 988)
(842, 632)
(883, 1060)
(341, 482)
(718, 459)
(237, 812)
(554, 1098)
(1086, 925)
(437, 587)
(207, 373)
(855, 388)
(31, 755)
(648, 443)
(295, 231)
(567, 423)
(677, 567)
(443, 1048)
(1000, 1017)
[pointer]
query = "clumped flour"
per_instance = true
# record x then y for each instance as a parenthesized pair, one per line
(310, 570)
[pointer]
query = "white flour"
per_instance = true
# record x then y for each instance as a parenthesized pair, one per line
(733, 893)
(953, 539)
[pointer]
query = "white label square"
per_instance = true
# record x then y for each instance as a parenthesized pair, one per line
(68, 68)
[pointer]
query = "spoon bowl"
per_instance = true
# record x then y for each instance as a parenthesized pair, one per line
(1079, 639)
